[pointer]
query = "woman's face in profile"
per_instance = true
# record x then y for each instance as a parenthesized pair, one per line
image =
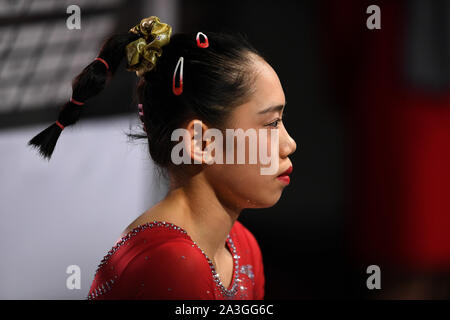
(244, 185)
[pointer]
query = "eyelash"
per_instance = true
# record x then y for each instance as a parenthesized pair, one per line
(271, 124)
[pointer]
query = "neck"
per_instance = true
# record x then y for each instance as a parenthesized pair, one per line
(204, 216)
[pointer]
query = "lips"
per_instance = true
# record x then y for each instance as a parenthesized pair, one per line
(284, 177)
(287, 172)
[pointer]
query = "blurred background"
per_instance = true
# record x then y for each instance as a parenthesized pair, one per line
(368, 108)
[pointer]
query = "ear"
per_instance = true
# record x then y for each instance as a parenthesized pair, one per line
(196, 144)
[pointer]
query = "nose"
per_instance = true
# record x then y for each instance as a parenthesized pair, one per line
(287, 144)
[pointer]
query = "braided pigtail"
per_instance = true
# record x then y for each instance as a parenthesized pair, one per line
(90, 82)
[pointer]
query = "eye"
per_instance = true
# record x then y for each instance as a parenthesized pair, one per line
(274, 123)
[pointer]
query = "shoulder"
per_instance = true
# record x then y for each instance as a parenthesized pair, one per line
(171, 270)
(172, 257)
(156, 262)
(158, 244)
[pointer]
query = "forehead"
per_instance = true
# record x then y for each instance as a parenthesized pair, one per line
(266, 92)
(267, 87)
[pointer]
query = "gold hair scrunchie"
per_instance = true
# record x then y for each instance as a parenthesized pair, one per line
(143, 52)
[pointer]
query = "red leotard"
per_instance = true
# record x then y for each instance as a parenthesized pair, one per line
(159, 260)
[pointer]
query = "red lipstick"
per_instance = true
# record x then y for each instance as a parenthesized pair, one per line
(284, 177)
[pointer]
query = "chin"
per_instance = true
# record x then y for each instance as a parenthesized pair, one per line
(260, 203)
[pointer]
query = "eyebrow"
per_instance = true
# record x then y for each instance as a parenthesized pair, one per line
(273, 109)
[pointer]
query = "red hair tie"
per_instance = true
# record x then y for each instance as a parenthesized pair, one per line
(76, 102)
(103, 61)
(178, 90)
(60, 125)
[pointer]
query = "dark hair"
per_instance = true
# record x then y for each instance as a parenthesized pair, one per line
(215, 79)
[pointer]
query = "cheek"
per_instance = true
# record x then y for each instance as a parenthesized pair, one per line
(272, 141)
(256, 190)
(263, 146)
(244, 186)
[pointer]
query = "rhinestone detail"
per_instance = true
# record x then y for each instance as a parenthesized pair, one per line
(229, 293)
(131, 234)
(101, 289)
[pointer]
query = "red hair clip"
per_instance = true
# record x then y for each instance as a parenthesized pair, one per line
(202, 44)
(178, 90)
